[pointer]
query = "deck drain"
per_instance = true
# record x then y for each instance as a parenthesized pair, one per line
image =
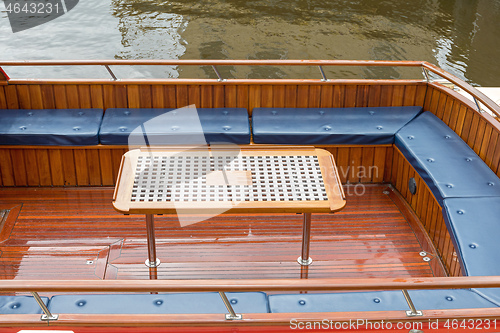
(90, 262)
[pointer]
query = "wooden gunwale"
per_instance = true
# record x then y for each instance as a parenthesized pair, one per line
(271, 321)
(228, 82)
(90, 94)
(422, 64)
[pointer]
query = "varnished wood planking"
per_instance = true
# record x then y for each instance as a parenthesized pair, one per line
(82, 173)
(105, 96)
(61, 100)
(474, 128)
(374, 96)
(231, 97)
(290, 96)
(91, 223)
(23, 96)
(242, 96)
(109, 96)
(43, 164)
(106, 166)
(56, 167)
(218, 98)
(84, 96)
(428, 211)
(206, 96)
(11, 97)
(302, 96)
(326, 97)
(69, 168)
(32, 174)
(133, 98)
(278, 96)
(266, 100)
(121, 99)
(3, 98)
(97, 96)
(72, 96)
(145, 96)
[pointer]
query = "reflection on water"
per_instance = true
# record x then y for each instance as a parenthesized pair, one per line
(460, 36)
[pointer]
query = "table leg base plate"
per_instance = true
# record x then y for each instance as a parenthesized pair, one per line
(151, 264)
(304, 262)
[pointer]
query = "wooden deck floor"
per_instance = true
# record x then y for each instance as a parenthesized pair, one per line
(74, 233)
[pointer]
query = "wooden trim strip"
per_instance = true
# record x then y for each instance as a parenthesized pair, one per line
(129, 322)
(214, 82)
(231, 285)
(238, 62)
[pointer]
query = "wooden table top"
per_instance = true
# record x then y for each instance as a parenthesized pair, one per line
(228, 179)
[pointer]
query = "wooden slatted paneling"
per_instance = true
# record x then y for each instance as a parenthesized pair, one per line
(98, 166)
(479, 130)
(427, 209)
(105, 96)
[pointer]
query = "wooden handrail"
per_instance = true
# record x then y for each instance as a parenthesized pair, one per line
(356, 284)
(239, 62)
(465, 86)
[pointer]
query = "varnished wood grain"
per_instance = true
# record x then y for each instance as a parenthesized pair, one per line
(479, 131)
(428, 211)
(81, 95)
(370, 238)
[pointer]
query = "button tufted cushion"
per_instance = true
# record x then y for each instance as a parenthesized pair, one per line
(337, 302)
(63, 127)
(474, 227)
(446, 163)
(376, 301)
(20, 305)
(175, 126)
(161, 303)
(368, 125)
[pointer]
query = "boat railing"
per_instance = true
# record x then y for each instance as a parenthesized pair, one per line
(267, 285)
(426, 68)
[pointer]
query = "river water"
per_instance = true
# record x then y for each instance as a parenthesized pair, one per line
(460, 36)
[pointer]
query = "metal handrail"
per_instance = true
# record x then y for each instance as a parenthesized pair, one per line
(486, 101)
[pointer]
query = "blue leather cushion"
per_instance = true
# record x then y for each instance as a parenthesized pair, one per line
(376, 301)
(175, 126)
(62, 127)
(370, 125)
(20, 305)
(447, 164)
(162, 303)
(474, 225)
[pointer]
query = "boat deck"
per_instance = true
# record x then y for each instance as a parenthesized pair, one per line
(74, 233)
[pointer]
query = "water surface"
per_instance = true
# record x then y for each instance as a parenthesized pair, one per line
(461, 36)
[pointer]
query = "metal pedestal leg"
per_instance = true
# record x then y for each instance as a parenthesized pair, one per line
(306, 237)
(152, 261)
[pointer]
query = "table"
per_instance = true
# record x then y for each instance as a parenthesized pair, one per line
(228, 179)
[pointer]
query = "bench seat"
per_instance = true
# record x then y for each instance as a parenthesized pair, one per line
(324, 126)
(377, 301)
(20, 305)
(175, 303)
(446, 163)
(61, 127)
(175, 126)
(474, 226)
